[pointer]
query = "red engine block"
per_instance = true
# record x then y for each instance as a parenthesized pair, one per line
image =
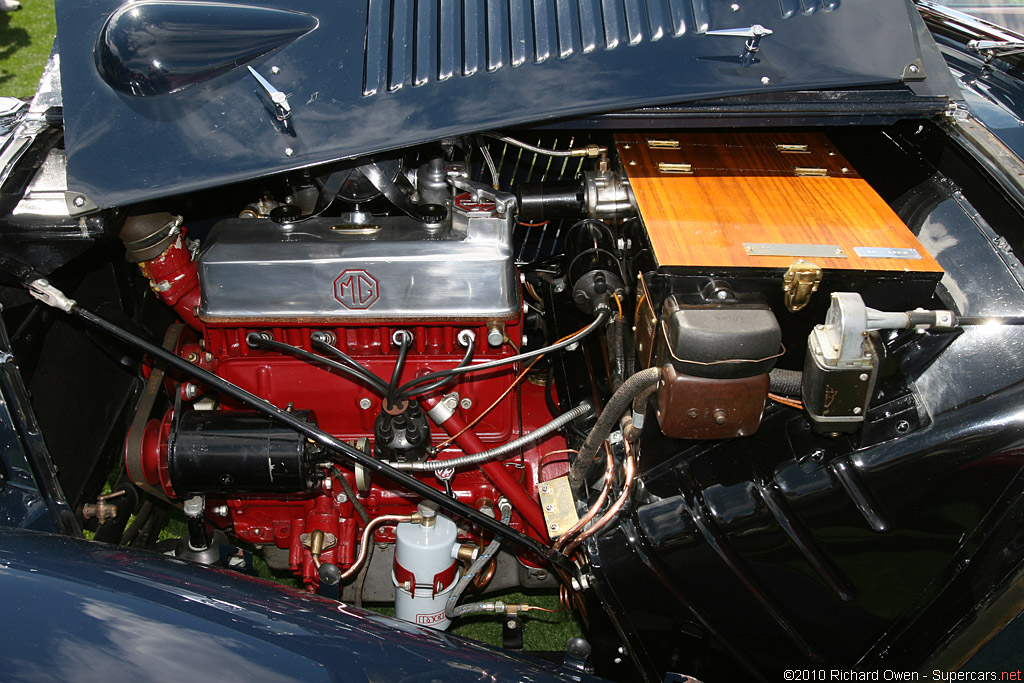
(348, 409)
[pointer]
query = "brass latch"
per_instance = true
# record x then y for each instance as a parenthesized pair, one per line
(799, 283)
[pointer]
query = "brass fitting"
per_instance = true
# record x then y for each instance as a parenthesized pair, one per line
(468, 552)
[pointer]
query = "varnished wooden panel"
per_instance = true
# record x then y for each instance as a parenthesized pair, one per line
(741, 188)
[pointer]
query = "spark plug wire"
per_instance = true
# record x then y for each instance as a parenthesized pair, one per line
(49, 295)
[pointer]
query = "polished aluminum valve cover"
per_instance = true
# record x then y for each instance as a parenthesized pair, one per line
(325, 270)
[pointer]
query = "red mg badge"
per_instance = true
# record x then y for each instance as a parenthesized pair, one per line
(356, 289)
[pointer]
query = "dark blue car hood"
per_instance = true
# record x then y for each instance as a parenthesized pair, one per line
(75, 610)
(159, 98)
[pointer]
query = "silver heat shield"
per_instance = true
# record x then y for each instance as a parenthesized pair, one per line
(325, 270)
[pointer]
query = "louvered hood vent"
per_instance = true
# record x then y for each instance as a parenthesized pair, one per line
(414, 43)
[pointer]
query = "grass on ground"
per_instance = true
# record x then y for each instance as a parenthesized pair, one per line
(26, 37)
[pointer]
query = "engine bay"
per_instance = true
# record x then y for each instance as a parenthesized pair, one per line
(524, 327)
(360, 323)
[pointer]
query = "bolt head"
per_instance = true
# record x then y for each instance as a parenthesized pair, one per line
(79, 201)
(466, 403)
(365, 403)
(495, 337)
(288, 151)
(765, 80)
(275, 70)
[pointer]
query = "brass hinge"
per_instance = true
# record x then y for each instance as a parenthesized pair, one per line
(791, 148)
(663, 144)
(810, 172)
(799, 283)
(674, 167)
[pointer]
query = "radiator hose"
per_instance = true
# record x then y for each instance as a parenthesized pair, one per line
(613, 410)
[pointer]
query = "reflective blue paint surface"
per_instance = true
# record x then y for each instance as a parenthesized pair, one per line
(364, 81)
(75, 610)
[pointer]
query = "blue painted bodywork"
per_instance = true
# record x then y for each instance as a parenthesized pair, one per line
(391, 73)
(75, 610)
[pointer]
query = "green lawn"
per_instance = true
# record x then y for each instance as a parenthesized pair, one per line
(25, 40)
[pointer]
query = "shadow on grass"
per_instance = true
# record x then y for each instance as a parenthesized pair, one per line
(12, 39)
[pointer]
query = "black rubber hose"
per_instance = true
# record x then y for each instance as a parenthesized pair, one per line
(616, 355)
(256, 341)
(132, 532)
(600, 320)
(785, 382)
(620, 401)
(343, 450)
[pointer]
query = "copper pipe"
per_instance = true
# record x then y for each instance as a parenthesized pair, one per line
(483, 579)
(627, 486)
(365, 540)
(609, 475)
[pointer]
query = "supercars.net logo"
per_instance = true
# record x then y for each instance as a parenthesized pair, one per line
(356, 289)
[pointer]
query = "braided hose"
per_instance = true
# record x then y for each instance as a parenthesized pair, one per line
(477, 458)
(613, 410)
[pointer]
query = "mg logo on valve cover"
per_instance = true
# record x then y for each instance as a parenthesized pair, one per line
(356, 289)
